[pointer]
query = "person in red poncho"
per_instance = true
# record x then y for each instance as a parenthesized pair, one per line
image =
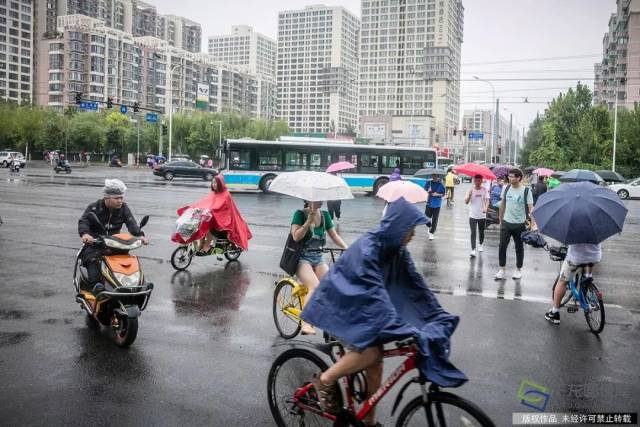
(226, 221)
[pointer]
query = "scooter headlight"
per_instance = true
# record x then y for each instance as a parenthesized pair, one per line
(128, 280)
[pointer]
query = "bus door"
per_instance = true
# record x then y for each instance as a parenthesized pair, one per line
(390, 161)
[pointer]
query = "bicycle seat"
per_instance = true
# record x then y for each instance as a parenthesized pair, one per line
(558, 253)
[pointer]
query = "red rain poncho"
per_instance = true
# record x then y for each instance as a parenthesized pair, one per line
(225, 217)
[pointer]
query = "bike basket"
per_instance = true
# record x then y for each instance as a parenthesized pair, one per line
(558, 253)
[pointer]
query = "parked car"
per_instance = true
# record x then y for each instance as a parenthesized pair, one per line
(182, 168)
(5, 158)
(628, 189)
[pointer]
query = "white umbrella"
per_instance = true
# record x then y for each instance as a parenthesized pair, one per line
(311, 186)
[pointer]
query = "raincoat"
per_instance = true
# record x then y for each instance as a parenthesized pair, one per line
(374, 295)
(225, 216)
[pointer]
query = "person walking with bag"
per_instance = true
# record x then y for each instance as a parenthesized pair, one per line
(309, 228)
(436, 190)
(515, 207)
(478, 200)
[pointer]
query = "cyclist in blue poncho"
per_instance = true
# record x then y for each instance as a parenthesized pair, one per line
(374, 295)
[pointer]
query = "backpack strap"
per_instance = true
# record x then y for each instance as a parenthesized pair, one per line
(526, 205)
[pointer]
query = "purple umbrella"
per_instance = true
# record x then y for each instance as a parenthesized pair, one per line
(500, 171)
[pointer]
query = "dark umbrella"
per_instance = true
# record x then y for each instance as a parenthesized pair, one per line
(500, 171)
(578, 175)
(611, 176)
(530, 169)
(558, 174)
(579, 212)
(422, 173)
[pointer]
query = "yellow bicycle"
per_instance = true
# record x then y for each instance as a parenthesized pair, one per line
(288, 301)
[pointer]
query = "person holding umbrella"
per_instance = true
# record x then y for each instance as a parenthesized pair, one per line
(478, 200)
(516, 204)
(581, 215)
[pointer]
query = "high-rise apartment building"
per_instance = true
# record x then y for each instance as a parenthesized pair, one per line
(616, 78)
(317, 69)
(16, 50)
(246, 48)
(145, 20)
(180, 32)
(410, 61)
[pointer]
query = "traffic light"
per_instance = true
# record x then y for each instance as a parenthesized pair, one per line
(78, 97)
(110, 102)
(455, 132)
(164, 129)
(136, 107)
(464, 131)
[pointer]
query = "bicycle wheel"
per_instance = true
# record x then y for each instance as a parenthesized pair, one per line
(443, 409)
(567, 293)
(291, 370)
(287, 323)
(595, 313)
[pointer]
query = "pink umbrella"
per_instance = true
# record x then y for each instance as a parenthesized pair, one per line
(339, 166)
(411, 192)
(472, 169)
(543, 172)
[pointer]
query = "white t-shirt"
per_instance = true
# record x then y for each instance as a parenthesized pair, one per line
(477, 203)
(584, 253)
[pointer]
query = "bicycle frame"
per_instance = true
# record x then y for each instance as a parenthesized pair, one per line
(408, 365)
(575, 288)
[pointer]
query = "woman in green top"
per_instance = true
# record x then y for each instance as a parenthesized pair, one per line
(311, 226)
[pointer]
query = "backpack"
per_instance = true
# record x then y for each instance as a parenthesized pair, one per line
(526, 196)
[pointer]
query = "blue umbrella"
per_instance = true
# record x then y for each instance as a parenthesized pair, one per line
(578, 175)
(579, 212)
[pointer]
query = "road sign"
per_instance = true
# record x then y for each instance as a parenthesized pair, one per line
(123, 109)
(476, 135)
(152, 117)
(89, 105)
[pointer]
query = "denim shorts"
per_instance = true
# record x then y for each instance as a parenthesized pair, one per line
(313, 258)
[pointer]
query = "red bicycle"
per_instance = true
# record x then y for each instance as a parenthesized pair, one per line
(293, 400)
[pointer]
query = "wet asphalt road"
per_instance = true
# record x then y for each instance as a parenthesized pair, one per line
(207, 339)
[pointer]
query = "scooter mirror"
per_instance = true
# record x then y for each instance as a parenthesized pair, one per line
(144, 221)
(96, 221)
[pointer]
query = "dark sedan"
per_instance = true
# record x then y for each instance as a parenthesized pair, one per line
(184, 168)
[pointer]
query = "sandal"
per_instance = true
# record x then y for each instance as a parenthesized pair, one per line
(327, 395)
(307, 329)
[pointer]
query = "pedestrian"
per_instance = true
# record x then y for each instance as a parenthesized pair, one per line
(333, 206)
(450, 183)
(515, 207)
(496, 193)
(210, 163)
(478, 200)
(586, 254)
(310, 226)
(395, 176)
(552, 183)
(539, 188)
(436, 190)
(202, 161)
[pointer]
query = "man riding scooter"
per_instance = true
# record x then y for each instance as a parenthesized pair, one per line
(112, 212)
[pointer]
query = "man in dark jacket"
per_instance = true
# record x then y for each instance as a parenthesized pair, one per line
(374, 294)
(113, 213)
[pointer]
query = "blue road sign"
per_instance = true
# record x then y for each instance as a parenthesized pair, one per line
(476, 135)
(89, 105)
(123, 109)
(152, 117)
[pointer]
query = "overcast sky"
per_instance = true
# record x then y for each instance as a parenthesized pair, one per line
(494, 30)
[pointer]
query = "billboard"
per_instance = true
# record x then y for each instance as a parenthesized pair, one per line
(202, 99)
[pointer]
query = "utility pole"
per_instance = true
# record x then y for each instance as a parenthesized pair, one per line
(496, 126)
(615, 128)
(510, 139)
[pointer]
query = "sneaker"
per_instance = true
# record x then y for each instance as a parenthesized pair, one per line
(499, 275)
(553, 317)
(517, 275)
(480, 248)
(473, 253)
(431, 236)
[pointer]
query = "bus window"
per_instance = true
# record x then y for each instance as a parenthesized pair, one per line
(269, 160)
(240, 160)
(354, 160)
(368, 163)
(315, 160)
(295, 161)
(411, 163)
(389, 163)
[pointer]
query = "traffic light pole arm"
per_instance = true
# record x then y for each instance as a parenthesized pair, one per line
(152, 110)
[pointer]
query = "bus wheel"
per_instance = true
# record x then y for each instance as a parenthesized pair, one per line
(265, 183)
(379, 183)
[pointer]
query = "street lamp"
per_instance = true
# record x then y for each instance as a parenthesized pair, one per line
(493, 119)
(171, 106)
(615, 127)
(219, 133)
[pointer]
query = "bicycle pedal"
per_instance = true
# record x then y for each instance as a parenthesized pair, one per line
(572, 309)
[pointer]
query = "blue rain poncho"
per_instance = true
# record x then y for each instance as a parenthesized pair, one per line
(374, 295)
